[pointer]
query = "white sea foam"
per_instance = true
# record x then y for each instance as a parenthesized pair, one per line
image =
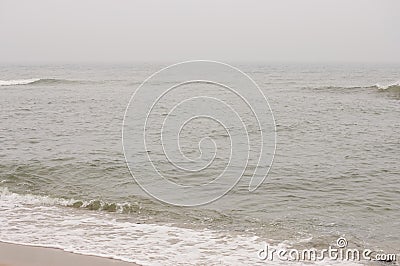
(17, 82)
(387, 86)
(43, 221)
(36, 220)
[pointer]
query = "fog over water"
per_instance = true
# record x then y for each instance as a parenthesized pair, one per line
(266, 31)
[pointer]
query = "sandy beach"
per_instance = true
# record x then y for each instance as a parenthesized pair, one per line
(10, 255)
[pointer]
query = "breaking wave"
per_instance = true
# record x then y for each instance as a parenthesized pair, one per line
(41, 221)
(35, 81)
(390, 87)
(96, 204)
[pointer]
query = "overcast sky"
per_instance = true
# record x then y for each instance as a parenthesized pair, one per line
(137, 31)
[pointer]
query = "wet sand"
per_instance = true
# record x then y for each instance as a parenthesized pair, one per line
(19, 255)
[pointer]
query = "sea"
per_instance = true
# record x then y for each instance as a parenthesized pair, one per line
(65, 182)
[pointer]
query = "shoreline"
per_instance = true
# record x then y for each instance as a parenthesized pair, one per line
(10, 255)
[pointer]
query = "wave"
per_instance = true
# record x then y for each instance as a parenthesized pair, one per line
(390, 87)
(35, 81)
(138, 208)
(17, 82)
(39, 221)
(394, 86)
(95, 205)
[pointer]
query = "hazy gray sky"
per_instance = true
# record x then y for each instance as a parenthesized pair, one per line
(266, 31)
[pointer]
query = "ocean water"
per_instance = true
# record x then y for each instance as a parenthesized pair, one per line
(64, 181)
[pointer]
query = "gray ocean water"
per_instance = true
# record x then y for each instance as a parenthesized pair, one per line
(64, 181)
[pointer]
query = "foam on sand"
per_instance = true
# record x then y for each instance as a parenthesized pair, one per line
(47, 222)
